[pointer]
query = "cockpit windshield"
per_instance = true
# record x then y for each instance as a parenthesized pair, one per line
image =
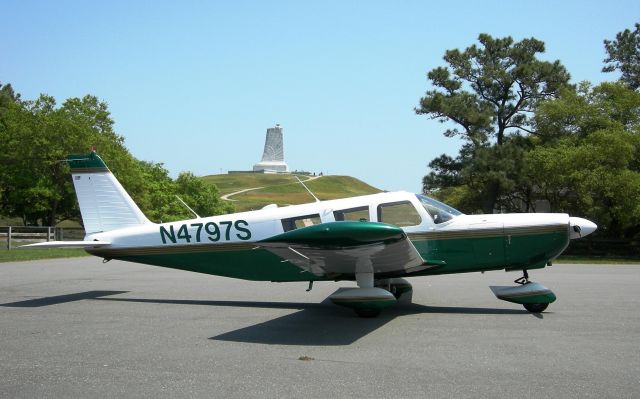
(439, 212)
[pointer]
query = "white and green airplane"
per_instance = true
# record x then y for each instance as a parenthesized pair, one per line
(375, 240)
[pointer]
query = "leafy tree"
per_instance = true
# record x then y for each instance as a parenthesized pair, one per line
(488, 93)
(35, 138)
(588, 158)
(202, 197)
(482, 179)
(7, 97)
(157, 201)
(624, 56)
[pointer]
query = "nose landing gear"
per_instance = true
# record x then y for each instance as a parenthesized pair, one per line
(535, 297)
(524, 279)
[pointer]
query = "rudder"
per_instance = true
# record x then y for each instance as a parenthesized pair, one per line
(104, 203)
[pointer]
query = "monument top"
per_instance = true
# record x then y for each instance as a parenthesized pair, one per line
(273, 154)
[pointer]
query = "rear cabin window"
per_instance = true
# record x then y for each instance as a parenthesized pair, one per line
(399, 214)
(300, 221)
(357, 214)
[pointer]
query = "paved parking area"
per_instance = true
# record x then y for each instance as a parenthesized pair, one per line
(81, 328)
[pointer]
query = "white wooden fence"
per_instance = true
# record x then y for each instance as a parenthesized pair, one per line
(12, 235)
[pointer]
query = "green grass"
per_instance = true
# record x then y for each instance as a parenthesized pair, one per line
(239, 181)
(325, 188)
(332, 187)
(18, 255)
(285, 189)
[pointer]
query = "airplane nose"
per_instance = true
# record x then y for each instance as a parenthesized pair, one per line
(580, 227)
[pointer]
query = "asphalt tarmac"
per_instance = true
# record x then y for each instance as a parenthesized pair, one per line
(81, 328)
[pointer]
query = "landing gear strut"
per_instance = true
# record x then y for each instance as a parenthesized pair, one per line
(522, 280)
(399, 287)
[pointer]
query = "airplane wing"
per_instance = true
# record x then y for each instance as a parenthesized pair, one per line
(335, 248)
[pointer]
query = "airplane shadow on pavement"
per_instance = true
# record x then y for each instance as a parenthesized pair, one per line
(59, 299)
(315, 324)
(326, 324)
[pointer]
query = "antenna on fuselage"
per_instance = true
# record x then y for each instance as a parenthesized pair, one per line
(188, 207)
(305, 186)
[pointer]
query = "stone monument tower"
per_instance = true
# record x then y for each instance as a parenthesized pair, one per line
(273, 155)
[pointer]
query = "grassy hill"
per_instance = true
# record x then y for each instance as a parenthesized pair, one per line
(285, 189)
(239, 181)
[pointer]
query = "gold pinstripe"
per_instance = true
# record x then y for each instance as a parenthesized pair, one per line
(486, 233)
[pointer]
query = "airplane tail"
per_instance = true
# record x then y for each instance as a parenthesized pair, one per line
(104, 203)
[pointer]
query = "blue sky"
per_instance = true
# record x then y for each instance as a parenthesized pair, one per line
(195, 84)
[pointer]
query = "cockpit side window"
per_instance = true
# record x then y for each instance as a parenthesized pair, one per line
(359, 213)
(439, 212)
(401, 214)
(300, 221)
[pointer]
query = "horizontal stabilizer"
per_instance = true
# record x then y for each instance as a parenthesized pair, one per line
(68, 244)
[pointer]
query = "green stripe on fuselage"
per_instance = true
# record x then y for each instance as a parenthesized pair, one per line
(493, 252)
(460, 255)
(247, 264)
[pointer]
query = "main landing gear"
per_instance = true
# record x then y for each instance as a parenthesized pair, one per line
(371, 296)
(535, 297)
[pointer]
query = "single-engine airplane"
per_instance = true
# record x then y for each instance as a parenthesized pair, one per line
(375, 240)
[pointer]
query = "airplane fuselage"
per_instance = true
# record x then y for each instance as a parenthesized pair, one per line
(229, 245)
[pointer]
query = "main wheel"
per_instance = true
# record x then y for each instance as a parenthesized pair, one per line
(367, 312)
(535, 307)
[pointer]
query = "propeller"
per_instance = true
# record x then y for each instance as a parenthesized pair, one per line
(580, 227)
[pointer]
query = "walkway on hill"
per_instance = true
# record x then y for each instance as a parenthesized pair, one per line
(227, 196)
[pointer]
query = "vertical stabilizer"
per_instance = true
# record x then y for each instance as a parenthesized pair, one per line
(104, 203)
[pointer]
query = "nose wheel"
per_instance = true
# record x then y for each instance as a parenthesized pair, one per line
(531, 307)
(535, 297)
(535, 307)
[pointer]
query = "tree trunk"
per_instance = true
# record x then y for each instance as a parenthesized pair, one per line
(50, 218)
(490, 197)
